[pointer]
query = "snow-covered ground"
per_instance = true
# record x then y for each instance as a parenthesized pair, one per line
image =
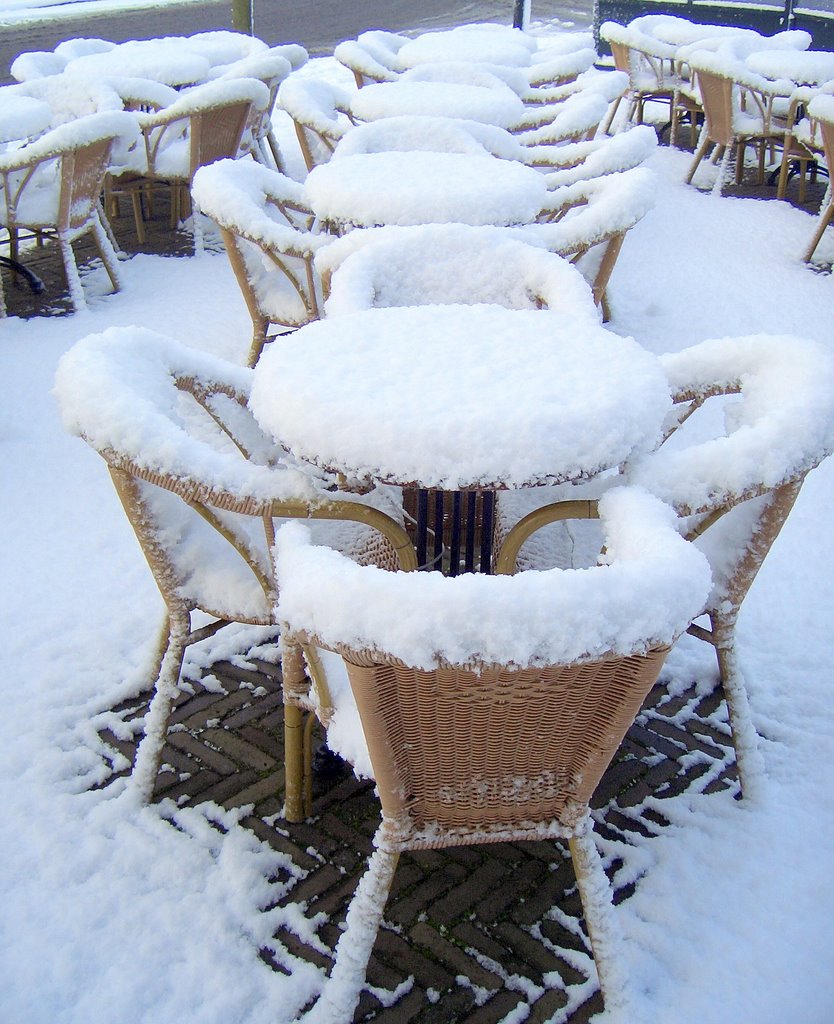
(109, 912)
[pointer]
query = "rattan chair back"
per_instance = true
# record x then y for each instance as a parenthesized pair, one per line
(319, 114)
(822, 112)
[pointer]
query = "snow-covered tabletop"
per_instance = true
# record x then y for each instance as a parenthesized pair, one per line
(422, 187)
(489, 44)
(803, 67)
(168, 61)
(497, 105)
(22, 117)
(460, 396)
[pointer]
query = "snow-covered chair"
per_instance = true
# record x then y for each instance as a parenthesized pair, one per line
(575, 118)
(450, 263)
(201, 126)
(222, 47)
(270, 67)
(649, 64)
(737, 486)
(69, 49)
(411, 132)
(51, 187)
(265, 228)
(204, 490)
(803, 149)
(580, 161)
(738, 111)
(549, 70)
(318, 110)
(34, 64)
(821, 112)
(483, 722)
(588, 221)
(372, 56)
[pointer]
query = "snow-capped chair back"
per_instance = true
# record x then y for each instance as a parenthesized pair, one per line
(484, 722)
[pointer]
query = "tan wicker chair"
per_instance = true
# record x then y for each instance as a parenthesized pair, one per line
(372, 56)
(204, 490)
(649, 64)
(51, 187)
(483, 722)
(821, 110)
(737, 489)
(738, 112)
(319, 113)
(803, 149)
(203, 125)
(589, 220)
(265, 228)
(448, 263)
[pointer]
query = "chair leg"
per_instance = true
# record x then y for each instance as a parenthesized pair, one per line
(138, 216)
(342, 989)
(749, 762)
(699, 156)
(107, 253)
(76, 289)
(600, 917)
(825, 220)
(149, 752)
(293, 762)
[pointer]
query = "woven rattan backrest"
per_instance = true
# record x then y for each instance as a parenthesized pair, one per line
(717, 101)
(82, 174)
(461, 756)
(216, 133)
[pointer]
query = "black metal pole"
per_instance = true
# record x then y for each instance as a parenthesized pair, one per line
(518, 14)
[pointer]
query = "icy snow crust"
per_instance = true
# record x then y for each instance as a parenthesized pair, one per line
(651, 585)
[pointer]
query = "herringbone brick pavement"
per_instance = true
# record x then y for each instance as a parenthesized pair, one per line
(471, 935)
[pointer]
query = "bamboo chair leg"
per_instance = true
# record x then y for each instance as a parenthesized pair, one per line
(341, 991)
(149, 753)
(600, 917)
(108, 254)
(749, 762)
(782, 187)
(699, 156)
(76, 289)
(138, 216)
(293, 763)
(308, 763)
(825, 220)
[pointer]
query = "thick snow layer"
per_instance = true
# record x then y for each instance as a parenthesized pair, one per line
(105, 906)
(647, 590)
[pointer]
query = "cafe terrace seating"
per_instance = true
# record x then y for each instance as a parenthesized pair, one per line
(52, 186)
(204, 490)
(266, 232)
(319, 113)
(203, 125)
(821, 110)
(735, 489)
(484, 724)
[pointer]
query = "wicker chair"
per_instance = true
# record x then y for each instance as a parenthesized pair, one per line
(372, 56)
(737, 489)
(51, 187)
(484, 723)
(804, 149)
(649, 64)
(319, 113)
(265, 228)
(821, 111)
(588, 221)
(449, 263)
(582, 161)
(203, 125)
(738, 111)
(204, 490)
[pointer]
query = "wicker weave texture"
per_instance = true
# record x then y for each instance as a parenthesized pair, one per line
(455, 751)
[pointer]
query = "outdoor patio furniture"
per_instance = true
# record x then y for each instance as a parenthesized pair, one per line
(51, 187)
(594, 158)
(803, 151)
(270, 67)
(372, 56)
(589, 220)
(737, 487)
(411, 132)
(477, 43)
(71, 48)
(738, 111)
(436, 408)
(204, 490)
(821, 109)
(168, 60)
(319, 112)
(203, 125)
(575, 118)
(266, 232)
(493, 103)
(36, 64)
(449, 264)
(484, 723)
(649, 65)
(421, 187)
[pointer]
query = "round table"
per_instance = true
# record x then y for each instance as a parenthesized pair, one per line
(168, 61)
(22, 117)
(421, 187)
(460, 397)
(488, 44)
(497, 105)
